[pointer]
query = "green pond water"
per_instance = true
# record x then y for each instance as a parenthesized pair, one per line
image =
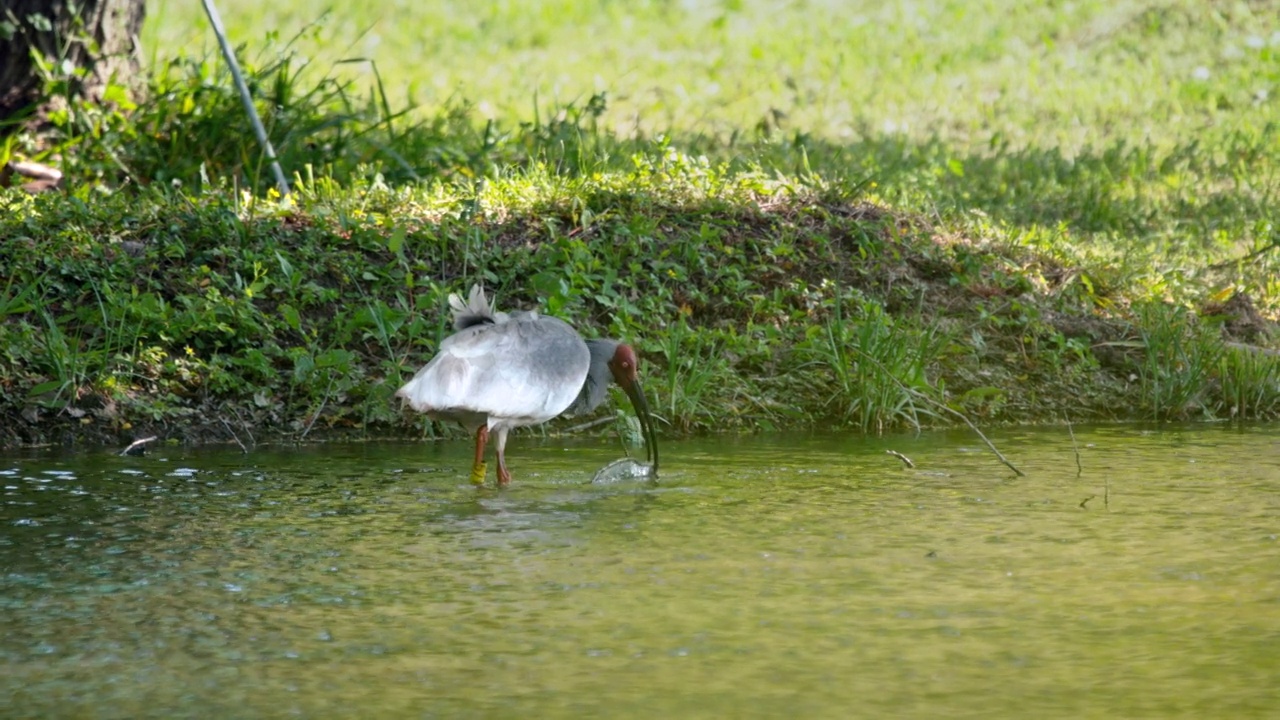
(779, 576)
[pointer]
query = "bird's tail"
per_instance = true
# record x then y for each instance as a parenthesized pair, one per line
(475, 311)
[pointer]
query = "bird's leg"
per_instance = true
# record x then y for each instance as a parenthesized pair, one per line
(504, 475)
(478, 469)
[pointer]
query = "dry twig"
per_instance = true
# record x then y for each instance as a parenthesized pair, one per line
(315, 416)
(135, 447)
(944, 408)
(906, 460)
(590, 424)
(235, 437)
(1076, 448)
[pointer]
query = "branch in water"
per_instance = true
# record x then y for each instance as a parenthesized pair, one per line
(942, 407)
(135, 448)
(1074, 446)
(590, 424)
(901, 457)
(235, 437)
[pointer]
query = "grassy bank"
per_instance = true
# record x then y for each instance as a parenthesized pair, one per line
(755, 305)
(817, 216)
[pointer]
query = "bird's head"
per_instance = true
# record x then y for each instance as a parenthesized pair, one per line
(623, 366)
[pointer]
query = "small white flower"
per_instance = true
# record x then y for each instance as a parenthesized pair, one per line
(1254, 41)
(1200, 73)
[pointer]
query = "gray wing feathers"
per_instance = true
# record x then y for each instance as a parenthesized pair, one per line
(523, 367)
(595, 387)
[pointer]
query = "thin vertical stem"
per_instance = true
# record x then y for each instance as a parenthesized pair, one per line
(216, 20)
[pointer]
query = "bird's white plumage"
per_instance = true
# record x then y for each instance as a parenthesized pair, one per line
(504, 370)
(521, 369)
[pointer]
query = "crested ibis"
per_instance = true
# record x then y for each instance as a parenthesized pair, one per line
(500, 371)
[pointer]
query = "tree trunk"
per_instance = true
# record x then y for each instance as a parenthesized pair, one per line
(99, 36)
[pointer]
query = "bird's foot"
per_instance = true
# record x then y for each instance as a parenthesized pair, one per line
(477, 473)
(504, 476)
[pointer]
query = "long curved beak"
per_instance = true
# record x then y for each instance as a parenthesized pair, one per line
(636, 392)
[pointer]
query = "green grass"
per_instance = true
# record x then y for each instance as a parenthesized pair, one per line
(1070, 75)
(1143, 132)
(880, 370)
(1180, 357)
(817, 213)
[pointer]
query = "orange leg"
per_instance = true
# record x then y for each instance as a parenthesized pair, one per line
(478, 469)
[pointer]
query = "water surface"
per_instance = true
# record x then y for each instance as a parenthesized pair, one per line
(800, 576)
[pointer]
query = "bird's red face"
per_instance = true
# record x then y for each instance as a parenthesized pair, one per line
(623, 365)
